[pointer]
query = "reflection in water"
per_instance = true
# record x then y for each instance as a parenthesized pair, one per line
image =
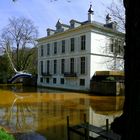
(45, 111)
(30, 136)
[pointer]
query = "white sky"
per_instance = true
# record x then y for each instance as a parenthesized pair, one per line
(45, 13)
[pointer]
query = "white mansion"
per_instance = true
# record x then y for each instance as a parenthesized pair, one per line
(70, 55)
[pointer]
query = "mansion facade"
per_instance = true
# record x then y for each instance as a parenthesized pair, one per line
(69, 56)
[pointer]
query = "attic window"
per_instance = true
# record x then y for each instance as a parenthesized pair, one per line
(58, 27)
(72, 24)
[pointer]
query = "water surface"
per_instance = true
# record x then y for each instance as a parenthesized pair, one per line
(44, 111)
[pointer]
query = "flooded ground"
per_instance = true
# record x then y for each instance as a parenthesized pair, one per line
(44, 111)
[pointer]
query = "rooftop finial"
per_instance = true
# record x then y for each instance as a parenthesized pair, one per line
(108, 18)
(90, 9)
(90, 13)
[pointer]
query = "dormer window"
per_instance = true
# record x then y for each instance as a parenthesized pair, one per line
(58, 25)
(72, 25)
(110, 24)
(50, 31)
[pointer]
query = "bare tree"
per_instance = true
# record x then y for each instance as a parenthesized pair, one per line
(117, 12)
(113, 48)
(18, 36)
(117, 51)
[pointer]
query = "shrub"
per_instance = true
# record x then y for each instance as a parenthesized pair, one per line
(5, 136)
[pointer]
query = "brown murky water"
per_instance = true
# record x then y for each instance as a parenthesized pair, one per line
(44, 111)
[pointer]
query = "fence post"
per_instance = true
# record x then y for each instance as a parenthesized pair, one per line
(107, 125)
(68, 132)
(86, 129)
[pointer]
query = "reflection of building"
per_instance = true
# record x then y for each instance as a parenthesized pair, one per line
(70, 55)
(45, 112)
(105, 108)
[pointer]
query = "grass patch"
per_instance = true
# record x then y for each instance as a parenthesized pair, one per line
(5, 136)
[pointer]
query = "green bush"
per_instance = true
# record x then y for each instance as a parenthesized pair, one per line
(110, 78)
(5, 136)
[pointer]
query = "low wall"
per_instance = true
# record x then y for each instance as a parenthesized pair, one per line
(107, 88)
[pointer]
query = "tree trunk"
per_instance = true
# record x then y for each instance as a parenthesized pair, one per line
(128, 125)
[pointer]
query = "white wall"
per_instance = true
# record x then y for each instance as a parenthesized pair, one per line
(99, 43)
(101, 58)
(97, 57)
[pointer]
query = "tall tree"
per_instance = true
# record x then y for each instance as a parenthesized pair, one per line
(128, 124)
(4, 68)
(17, 37)
(132, 74)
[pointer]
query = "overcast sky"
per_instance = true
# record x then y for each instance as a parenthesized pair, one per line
(45, 13)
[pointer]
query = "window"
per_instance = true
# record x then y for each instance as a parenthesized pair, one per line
(83, 42)
(47, 80)
(41, 52)
(116, 46)
(112, 43)
(111, 48)
(119, 47)
(72, 44)
(82, 65)
(41, 79)
(63, 46)
(54, 80)
(55, 66)
(55, 47)
(62, 81)
(41, 67)
(48, 66)
(62, 66)
(82, 82)
(48, 49)
(72, 65)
